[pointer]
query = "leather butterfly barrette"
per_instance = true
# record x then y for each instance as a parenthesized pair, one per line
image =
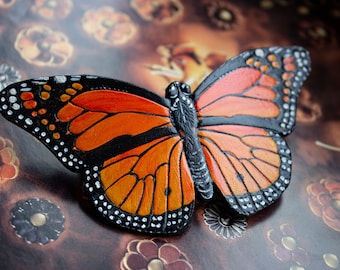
(144, 158)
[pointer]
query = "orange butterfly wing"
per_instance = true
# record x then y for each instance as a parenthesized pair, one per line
(250, 165)
(250, 89)
(148, 188)
(100, 117)
(243, 108)
(121, 138)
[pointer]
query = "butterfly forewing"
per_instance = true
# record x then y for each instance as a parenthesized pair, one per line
(257, 88)
(77, 116)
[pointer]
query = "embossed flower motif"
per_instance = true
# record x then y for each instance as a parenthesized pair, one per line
(182, 62)
(324, 201)
(6, 3)
(225, 225)
(317, 33)
(268, 4)
(50, 9)
(8, 75)
(331, 260)
(288, 246)
(158, 11)
(9, 162)
(109, 26)
(37, 221)
(42, 46)
(308, 109)
(154, 254)
(223, 15)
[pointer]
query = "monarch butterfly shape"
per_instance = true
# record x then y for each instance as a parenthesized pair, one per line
(142, 156)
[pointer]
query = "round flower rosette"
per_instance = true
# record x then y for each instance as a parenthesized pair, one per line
(37, 221)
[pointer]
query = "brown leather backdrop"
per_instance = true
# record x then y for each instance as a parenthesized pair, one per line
(148, 45)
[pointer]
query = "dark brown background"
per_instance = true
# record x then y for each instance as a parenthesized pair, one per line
(309, 208)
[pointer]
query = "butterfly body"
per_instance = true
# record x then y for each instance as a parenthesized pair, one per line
(142, 155)
(184, 117)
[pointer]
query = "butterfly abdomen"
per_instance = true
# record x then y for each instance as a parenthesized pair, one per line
(184, 118)
(200, 174)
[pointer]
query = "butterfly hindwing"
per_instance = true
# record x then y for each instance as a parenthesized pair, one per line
(243, 109)
(113, 132)
(148, 188)
(249, 165)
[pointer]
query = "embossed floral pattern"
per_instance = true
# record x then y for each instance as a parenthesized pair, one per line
(6, 3)
(154, 254)
(158, 11)
(288, 246)
(331, 260)
(9, 162)
(108, 26)
(37, 221)
(318, 34)
(42, 46)
(225, 225)
(50, 9)
(183, 62)
(268, 4)
(8, 75)
(324, 201)
(223, 15)
(308, 109)
(291, 249)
